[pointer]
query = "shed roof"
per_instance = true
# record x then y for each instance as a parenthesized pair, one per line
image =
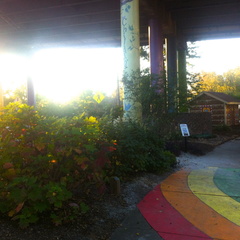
(225, 98)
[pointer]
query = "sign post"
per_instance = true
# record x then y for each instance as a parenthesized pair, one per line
(185, 133)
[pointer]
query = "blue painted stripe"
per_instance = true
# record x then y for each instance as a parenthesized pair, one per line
(228, 181)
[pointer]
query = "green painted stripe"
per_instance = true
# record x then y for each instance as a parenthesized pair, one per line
(228, 181)
(201, 184)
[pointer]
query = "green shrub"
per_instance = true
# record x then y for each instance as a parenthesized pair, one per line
(45, 161)
(222, 129)
(89, 103)
(52, 164)
(137, 149)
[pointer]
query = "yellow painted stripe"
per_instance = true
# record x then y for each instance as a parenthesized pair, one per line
(201, 184)
(175, 190)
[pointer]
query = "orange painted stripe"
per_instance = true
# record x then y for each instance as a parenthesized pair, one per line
(166, 220)
(177, 193)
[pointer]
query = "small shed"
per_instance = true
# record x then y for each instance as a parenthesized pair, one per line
(223, 107)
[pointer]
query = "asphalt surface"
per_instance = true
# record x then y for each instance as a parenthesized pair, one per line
(200, 201)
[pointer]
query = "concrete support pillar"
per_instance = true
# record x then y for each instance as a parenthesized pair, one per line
(30, 92)
(1, 96)
(131, 54)
(172, 83)
(31, 97)
(182, 75)
(156, 40)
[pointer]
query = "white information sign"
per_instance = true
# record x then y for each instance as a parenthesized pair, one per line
(184, 130)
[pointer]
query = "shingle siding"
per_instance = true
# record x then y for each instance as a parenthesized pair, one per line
(223, 107)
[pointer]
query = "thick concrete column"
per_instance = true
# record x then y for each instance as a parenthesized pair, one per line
(156, 40)
(131, 54)
(31, 101)
(172, 82)
(1, 96)
(31, 97)
(182, 75)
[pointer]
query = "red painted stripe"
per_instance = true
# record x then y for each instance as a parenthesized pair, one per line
(171, 236)
(168, 222)
(195, 211)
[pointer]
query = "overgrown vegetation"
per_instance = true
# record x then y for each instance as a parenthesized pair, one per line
(54, 158)
(138, 149)
(149, 91)
(46, 160)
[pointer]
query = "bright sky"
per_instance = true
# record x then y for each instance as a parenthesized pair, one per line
(67, 72)
(218, 55)
(61, 74)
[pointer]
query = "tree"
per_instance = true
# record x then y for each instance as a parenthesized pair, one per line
(194, 80)
(228, 82)
(232, 80)
(18, 94)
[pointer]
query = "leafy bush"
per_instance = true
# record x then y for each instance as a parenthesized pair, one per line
(222, 129)
(137, 149)
(147, 89)
(89, 103)
(45, 161)
(54, 158)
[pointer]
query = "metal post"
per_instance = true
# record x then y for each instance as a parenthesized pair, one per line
(131, 54)
(185, 144)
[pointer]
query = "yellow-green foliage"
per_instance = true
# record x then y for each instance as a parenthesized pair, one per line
(44, 160)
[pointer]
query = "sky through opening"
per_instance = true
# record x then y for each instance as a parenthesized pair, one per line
(61, 74)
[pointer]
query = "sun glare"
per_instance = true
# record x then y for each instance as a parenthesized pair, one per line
(218, 55)
(61, 74)
(13, 72)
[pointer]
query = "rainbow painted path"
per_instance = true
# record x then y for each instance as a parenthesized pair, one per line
(194, 205)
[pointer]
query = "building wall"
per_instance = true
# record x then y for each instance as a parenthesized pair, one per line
(206, 103)
(232, 115)
(221, 113)
(198, 123)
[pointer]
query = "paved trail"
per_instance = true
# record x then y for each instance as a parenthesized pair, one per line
(201, 201)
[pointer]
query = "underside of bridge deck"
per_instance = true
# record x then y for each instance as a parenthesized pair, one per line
(97, 22)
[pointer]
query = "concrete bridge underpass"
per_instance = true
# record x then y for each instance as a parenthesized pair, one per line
(28, 26)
